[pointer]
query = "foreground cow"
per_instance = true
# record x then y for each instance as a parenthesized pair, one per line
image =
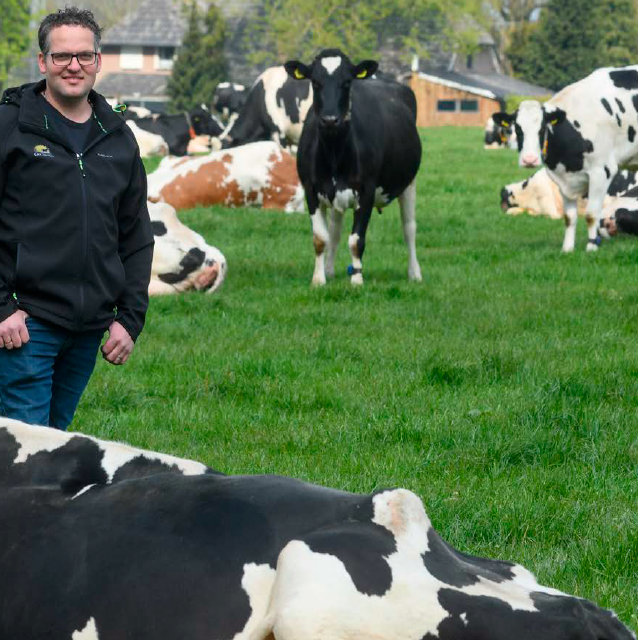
(260, 174)
(229, 99)
(275, 109)
(583, 134)
(103, 541)
(178, 130)
(499, 137)
(182, 259)
(359, 149)
(540, 195)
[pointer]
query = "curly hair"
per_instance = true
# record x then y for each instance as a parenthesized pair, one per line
(68, 16)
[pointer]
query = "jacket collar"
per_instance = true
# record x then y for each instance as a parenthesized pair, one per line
(31, 112)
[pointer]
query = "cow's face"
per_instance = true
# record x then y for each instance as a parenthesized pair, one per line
(331, 74)
(531, 122)
(203, 122)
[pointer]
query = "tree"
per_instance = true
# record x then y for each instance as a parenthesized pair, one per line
(14, 35)
(200, 64)
(574, 37)
(301, 28)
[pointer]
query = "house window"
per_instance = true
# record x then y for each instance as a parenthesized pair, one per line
(131, 58)
(446, 105)
(469, 105)
(164, 57)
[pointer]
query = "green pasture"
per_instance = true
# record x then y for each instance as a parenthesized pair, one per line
(503, 389)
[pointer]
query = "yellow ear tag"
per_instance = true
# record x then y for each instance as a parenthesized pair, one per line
(552, 122)
(299, 75)
(362, 75)
(545, 148)
(503, 137)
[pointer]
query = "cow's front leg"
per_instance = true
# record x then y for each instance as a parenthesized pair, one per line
(570, 215)
(320, 239)
(334, 230)
(357, 239)
(598, 186)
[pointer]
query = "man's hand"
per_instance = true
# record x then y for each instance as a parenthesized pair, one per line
(119, 345)
(13, 330)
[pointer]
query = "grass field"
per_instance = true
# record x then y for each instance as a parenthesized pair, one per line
(503, 389)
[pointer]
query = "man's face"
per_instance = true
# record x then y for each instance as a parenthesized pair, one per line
(74, 81)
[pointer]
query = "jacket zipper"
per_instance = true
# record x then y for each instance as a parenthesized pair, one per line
(86, 239)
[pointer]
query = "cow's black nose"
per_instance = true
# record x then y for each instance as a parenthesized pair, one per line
(329, 121)
(505, 196)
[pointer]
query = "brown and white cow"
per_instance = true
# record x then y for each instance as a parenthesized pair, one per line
(258, 174)
(182, 259)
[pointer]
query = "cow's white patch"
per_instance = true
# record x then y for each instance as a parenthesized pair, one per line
(463, 617)
(257, 582)
(33, 440)
(402, 513)
(83, 490)
(345, 199)
(380, 198)
(314, 597)
(331, 63)
(88, 633)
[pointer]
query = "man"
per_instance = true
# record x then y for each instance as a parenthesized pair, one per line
(76, 242)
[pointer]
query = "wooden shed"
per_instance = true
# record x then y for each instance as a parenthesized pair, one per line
(452, 98)
(445, 101)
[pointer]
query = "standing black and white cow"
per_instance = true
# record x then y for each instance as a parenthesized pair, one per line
(275, 109)
(229, 99)
(100, 541)
(359, 149)
(583, 134)
(178, 130)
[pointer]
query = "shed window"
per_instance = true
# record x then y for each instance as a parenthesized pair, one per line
(446, 105)
(469, 105)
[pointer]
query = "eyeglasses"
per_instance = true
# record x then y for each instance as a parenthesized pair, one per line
(64, 59)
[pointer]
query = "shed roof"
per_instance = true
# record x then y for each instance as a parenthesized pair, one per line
(494, 85)
(155, 23)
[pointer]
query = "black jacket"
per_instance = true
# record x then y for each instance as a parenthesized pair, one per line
(76, 243)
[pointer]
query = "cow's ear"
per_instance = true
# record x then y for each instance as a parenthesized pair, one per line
(297, 70)
(554, 117)
(504, 119)
(365, 69)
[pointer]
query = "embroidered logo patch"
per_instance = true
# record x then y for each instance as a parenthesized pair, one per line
(42, 151)
(104, 155)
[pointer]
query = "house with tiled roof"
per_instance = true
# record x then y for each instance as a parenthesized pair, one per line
(138, 54)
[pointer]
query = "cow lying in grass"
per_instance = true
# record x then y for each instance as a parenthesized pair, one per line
(621, 214)
(540, 195)
(103, 541)
(259, 174)
(182, 259)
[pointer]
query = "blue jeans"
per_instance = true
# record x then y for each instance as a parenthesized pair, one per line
(42, 381)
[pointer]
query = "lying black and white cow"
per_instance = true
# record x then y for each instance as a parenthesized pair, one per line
(229, 99)
(275, 109)
(582, 134)
(178, 130)
(182, 259)
(499, 137)
(102, 541)
(359, 149)
(620, 214)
